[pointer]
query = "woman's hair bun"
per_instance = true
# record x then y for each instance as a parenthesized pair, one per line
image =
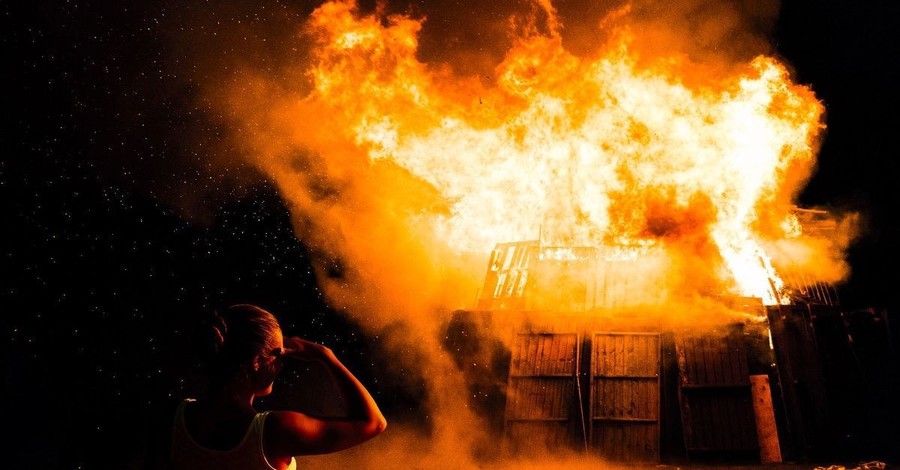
(231, 337)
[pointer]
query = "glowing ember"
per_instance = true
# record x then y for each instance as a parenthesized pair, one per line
(604, 151)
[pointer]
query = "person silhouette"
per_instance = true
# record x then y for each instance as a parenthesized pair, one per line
(224, 430)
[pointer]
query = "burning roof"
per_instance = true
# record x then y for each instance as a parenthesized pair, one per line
(529, 275)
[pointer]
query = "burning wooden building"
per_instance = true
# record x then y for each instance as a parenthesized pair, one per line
(562, 355)
(670, 279)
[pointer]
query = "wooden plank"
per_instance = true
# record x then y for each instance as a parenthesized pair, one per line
(766, 429)
(685, 408)
(705, 363)
(559, 357)
(628, 420)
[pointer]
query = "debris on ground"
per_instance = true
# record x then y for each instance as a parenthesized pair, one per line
(873, 465)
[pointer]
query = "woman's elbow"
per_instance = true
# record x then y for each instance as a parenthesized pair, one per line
(375, 427)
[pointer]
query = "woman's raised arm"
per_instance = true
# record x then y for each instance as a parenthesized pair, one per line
(299, 434)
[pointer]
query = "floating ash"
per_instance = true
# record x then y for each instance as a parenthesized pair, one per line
(670, 172)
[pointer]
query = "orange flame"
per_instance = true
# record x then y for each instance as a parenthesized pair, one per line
(597, 151)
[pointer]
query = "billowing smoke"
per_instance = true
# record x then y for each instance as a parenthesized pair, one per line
(407, 138)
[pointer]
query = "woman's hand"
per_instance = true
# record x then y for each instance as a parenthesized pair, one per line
(304, 350)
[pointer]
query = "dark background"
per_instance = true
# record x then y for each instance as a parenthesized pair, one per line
(119, 231)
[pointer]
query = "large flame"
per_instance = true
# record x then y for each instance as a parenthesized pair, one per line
(597, 151)
(674, 173)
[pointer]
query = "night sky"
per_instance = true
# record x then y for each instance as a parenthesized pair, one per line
(126, 218)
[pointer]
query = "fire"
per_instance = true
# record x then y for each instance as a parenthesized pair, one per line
(607, 150)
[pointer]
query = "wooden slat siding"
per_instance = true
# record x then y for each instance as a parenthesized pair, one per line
(624, 401)
(714, 392)
(801, 377)
(541, 391)
(604, 285)
(623, 287)
(809, 289)
(537, 398)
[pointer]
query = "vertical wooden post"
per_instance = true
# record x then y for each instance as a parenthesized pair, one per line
(764, 412)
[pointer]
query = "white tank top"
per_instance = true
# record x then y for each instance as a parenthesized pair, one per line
(247, 455)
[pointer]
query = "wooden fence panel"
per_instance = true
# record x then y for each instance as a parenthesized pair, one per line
(715, 395)
(542, 411)
(624, 399)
